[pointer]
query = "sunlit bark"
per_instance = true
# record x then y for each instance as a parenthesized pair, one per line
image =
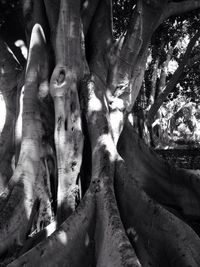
(9, 75)
(64, 90)
(21, 192)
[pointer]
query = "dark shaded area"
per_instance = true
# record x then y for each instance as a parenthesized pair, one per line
(11, 26)
(183, 158)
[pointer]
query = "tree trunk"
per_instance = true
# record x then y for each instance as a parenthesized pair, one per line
(135, 210)
(10, 71)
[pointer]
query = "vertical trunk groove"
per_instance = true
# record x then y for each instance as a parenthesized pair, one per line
(20, 193)
(64, 85)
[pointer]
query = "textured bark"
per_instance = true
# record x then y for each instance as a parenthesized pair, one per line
(20, 195)
(64, 85)
(153, 82)
(174, 188)
(63, 242)
(172, 244)
(131, 59)
(111, 243)
(87, 13)
(10, 71)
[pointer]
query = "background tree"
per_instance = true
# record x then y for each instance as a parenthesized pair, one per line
(166, 54)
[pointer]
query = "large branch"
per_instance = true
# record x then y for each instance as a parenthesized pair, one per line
(100, 39)
(177, 8)
(64, 85)
(87, 13)
(173, 81)
(18, 208)
(52, 11)
(193, 60)
(10, 71)
(130, 58)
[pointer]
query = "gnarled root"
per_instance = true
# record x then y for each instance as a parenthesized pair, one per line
(167, 240)
(71, 244)
(175, 188)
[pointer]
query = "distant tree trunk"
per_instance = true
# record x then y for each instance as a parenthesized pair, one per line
(136, 210)
(154, 78)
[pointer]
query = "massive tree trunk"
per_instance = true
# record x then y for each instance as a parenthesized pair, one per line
(75, 198)
(9, 78)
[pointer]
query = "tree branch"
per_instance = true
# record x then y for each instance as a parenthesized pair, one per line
(87, 13)
(100, 40)
(177, 8)
(63, 87)
(193, 60)
(129, 65)
(173, 81)
(52, 11)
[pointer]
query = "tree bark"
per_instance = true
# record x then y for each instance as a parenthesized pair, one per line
(10, 71)
(63, 87)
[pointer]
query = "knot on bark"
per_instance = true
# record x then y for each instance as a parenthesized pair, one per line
(96, 185)
(63, 78)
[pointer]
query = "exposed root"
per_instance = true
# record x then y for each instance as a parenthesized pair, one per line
(167, 239)
(71, 244)
(172, 187)
(112, 245)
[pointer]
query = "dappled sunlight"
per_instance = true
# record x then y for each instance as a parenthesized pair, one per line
(116, 120)
(50, 228)
(18, 127)
(62, 237)
(94, 105)
(86, 4)
(23, 48)
(131, 119)
(87, 240)
(178, 124)
(43, 89)
(173, 65)
(72, 31)
(14, 57)
(2, 112)
(28, 199)
(37, 42)
(106, 141)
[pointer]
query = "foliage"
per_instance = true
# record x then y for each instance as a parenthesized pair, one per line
(8, 8)
(174, 35)
(179, 123)
(122, 11)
